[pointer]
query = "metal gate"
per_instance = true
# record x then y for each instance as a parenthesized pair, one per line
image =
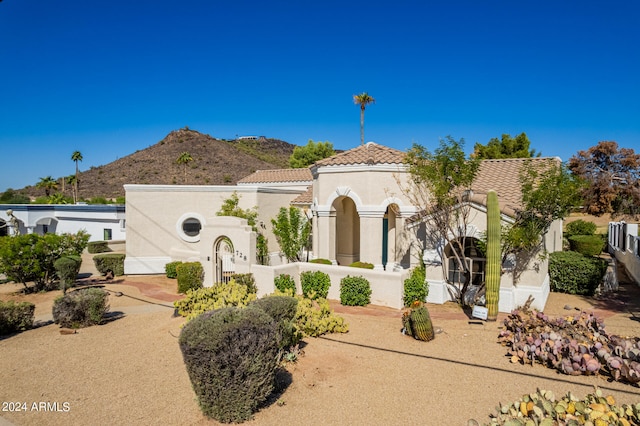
(224, 260)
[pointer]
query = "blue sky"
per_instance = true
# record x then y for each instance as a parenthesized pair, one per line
(110, 78)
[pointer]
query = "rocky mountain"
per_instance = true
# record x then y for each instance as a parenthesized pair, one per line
(214, 162)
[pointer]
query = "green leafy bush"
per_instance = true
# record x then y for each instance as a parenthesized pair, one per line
(416, 287)
(321, 261)
(580, 227)
(80, 308)
(106, 262)
(574, 273)
(355, 291)
(190, 276)
(16, 316)
(31, 257)
(170, 269)
(247, 280)
(589, 245)
(98, 247)
(221, 295)
(285, 282)
(315, 318)
(283, 310)
(315, 284)
(67, 268)
(231, 356)
(363, 265)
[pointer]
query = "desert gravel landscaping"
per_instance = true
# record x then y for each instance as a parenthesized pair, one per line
(129, 371)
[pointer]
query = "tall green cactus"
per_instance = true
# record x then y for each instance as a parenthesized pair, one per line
(421, 322)
(493, 255)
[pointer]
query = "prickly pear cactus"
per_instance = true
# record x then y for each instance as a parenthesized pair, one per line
(493, 255)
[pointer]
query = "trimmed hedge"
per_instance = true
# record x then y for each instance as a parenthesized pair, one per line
(67, 268)
(94, 247)
(231, 356)
(580, 227)
(106, 262)
(355, 291)
(283, 311)
(190, 276)
(315, 284)
(321, 261)
(574, 273)
(363, 265)
(80, 308)
(170, 269)
(285, 283)
(589, 245)
(16, 316)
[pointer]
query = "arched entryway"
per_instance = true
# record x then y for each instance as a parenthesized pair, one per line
(347, 232)
(224, 262)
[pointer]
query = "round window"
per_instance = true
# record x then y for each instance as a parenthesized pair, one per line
(191, 227)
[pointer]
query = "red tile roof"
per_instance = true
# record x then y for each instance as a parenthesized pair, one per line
(369, 153)
(278, 176)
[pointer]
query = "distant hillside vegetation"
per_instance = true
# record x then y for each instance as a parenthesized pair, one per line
(215, 162)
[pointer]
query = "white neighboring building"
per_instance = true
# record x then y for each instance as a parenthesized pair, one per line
(624, 245)
(102, 222)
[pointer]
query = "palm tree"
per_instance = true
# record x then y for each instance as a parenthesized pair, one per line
(363, 99)
(47, 183)
(71, 180)
(184, 159)
(76, 156)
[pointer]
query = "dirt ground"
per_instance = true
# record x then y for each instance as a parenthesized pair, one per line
(129, 371)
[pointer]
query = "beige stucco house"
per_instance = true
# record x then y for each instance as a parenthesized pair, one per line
(359, 213)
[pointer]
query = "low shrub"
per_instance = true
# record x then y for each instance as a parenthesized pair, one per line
(416, 287)
(80, 308)
(363, 265)
(315, 284)
(190, 276)
(94, 247)
(580, 227)
(285, 282)
(231, 356)
(283, 311)
(247, 280)
(574, 273)
(221, 295)
(67, 268)
(16, 316)
(170, 269)
(355, 291)
(321, 261)
(106, 262)
(589, 245)
(315, 318)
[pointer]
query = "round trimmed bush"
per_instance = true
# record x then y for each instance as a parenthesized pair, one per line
(580, 227)
(574, 273)
(355, 291)
(231, 355)
(80, 308)
(589, 245)
(284, 283)
(321, 261)
(315, 284)
(283, 311)
(364, 265)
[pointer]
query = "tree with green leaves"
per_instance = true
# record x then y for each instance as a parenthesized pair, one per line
(363, 99)
(304, 156)
(10, 196)
(231, 207)
(507, 147)
(184, 159)
(48, 184)
(76, 156)
(612, 177)
(439, 186)
(292, 230)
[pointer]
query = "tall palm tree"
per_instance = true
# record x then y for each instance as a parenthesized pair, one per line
(363, 99)
(47, 183)
(184, 159)
(71, 180)
(76, 156)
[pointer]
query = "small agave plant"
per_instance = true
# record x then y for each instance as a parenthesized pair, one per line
(416, 322)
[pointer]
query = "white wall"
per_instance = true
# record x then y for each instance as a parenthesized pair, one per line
(624, 244)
